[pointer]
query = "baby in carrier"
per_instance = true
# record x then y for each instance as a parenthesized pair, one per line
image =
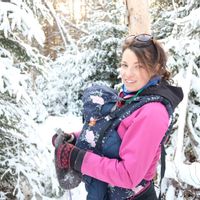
(98, 102)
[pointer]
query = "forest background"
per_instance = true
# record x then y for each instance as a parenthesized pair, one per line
(51, 50)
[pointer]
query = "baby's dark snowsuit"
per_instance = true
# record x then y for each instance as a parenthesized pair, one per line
(98, 102)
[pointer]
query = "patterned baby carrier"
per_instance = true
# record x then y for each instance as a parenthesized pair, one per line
(99, 134)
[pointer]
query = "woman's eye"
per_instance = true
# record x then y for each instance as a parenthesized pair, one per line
(123, 65)
(137, 66)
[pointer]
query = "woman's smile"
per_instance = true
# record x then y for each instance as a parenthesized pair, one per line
(129, 81)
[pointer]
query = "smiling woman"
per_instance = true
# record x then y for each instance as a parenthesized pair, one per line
(127, 170)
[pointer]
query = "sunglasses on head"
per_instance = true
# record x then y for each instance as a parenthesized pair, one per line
(141, 40)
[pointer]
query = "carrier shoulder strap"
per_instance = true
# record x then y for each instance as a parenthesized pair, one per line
(115, 117)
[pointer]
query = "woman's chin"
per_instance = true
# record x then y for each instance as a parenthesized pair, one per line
(130, 89)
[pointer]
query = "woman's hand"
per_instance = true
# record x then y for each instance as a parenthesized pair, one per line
(66, 154)
(63, 155)
(69, 156)
(60, 137)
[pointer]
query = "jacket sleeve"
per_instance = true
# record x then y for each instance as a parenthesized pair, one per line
(141, 135)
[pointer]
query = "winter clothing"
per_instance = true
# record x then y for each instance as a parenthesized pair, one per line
(132, 162)
(148, 194)
(67, 177)
(63, 155)
(98, 101)
(136, 133)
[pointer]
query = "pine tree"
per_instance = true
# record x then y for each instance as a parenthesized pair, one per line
(21, 173)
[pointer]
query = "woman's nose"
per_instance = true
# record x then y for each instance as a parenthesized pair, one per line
(129, 72)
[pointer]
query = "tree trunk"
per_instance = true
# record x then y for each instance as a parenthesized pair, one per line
(138, 16)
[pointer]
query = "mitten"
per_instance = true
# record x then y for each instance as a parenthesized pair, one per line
(68, 173)
(60, 137)
(68, 155)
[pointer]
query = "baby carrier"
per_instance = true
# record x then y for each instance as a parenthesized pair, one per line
(99, 133)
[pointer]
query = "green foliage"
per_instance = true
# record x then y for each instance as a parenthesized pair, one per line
(102, 52)
(163, 12)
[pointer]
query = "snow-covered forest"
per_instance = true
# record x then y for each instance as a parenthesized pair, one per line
(48, 55)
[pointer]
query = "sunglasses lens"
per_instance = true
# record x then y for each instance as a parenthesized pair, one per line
(142, 40)
(143, 37)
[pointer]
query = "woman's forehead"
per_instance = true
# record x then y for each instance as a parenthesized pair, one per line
(129, 55)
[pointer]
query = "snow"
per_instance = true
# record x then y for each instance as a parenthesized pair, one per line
(46, 130)
(68, 124)
(23, 19)
(27, 124)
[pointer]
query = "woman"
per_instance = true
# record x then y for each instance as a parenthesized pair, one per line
(144, 76)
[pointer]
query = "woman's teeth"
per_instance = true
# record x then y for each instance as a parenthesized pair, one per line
(129, 81)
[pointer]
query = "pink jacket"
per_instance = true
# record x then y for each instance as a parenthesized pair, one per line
(141, 134)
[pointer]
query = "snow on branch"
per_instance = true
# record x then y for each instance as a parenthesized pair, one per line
(182, 113)
(13, 17)
(177, 168)
(187, 173)
(15, 86)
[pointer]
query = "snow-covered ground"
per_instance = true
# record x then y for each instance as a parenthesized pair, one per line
(68, 124)
(78, 193)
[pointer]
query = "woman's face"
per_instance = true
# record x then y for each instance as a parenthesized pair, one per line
(133, 75)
